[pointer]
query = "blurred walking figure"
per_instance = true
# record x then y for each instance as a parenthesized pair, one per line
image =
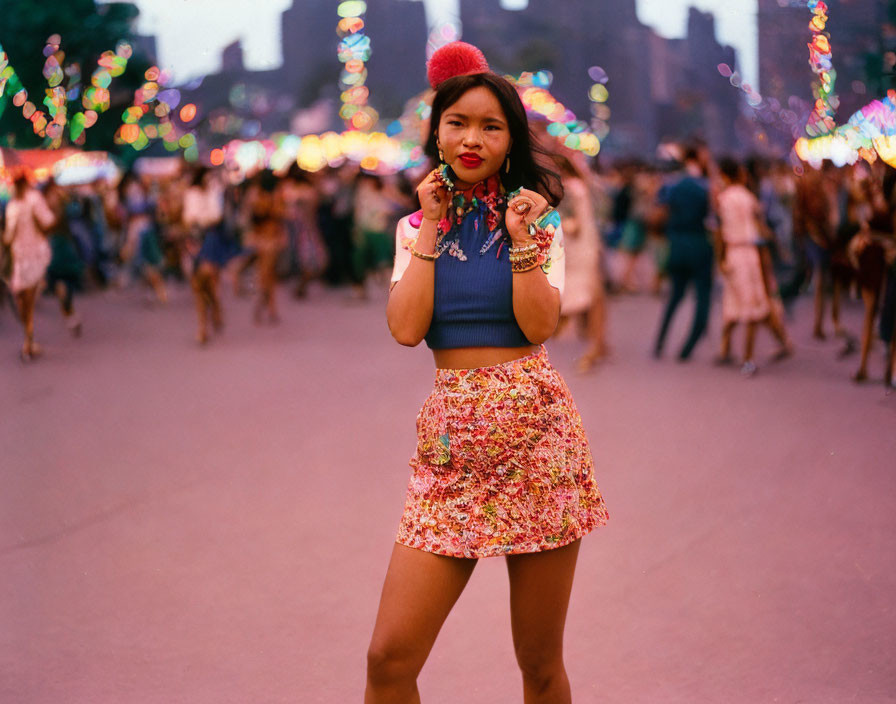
(634, 228)
(267, 237)
(745, 296)
(306, 244)
(373, 249)
(816, 216)
(872, 206)
(583, 301)
(203, 213)
(66, 269)
(28, 217)
(141, 250)
(686, 207)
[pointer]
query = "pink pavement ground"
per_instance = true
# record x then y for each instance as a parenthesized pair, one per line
(212, 526)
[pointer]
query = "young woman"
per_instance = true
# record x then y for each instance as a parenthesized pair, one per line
(28, 217)
(267, 238)
(203, 214)
(745, 296)
(502, 465)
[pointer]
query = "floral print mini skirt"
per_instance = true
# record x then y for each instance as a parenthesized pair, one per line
(502, 464)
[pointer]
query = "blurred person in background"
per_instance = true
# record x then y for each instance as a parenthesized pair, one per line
(372, 245)
(66, 270)
(267, 237)
(28, 217)
(684, 209)
(745, 295)
(203, 214)
(816, 216)
(872, 206)
(641, 198)
(307, 250)
(583, 301)
(141, 250)
(336, 210)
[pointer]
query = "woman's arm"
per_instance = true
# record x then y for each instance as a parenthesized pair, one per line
(536, 303)
(409, 310)
(410, 306)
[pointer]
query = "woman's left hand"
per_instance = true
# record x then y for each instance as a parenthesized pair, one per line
(525, 208)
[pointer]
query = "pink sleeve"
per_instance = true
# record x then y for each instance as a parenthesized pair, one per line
(405, 234)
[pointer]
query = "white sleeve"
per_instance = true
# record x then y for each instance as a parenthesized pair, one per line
(405, 235)
(554, 266)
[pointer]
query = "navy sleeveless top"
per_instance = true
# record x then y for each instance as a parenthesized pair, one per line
(473, 295)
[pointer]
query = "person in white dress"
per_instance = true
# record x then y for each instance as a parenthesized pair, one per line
(27, 218)
(745, 295)
(583, 296)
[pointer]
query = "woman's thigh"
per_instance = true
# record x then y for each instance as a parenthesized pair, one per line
(540, 585)
(419, 592)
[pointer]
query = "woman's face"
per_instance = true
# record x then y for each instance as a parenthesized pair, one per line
(474, 136)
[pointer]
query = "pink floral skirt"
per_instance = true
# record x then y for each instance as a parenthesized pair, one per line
(502, 464)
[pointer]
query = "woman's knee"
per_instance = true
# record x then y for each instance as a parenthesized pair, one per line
(389, 662)
(540, 664)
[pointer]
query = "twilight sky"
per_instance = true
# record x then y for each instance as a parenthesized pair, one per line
(191, 33)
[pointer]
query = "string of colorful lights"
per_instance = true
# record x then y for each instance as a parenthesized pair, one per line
(868, 134)
(353, 52)
(95, 98)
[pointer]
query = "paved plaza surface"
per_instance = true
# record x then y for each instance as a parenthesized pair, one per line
(212, 525)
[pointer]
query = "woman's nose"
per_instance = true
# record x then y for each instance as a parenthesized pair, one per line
(472, 136)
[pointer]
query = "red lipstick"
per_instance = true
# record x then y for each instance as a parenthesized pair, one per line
(470, 160)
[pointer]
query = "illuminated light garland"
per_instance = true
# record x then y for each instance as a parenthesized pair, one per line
(821, 121)
(562, 122)
(598, 94)
(868, 134)
(373, 151)
(154, 100)
(354, 51)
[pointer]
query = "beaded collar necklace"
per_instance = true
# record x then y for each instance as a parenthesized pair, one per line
(488, 194)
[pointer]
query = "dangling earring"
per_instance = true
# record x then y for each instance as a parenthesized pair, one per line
(441, 156)
(507, 164)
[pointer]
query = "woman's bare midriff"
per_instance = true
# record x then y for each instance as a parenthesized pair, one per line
(475, 357)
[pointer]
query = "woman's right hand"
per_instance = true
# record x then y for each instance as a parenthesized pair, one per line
(433, 197)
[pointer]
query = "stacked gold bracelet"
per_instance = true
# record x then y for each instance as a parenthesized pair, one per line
(523, 259)
(421, 255)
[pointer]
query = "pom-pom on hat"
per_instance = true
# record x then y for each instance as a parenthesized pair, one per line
(454, 59)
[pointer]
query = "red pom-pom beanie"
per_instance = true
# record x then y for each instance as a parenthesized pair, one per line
(455, 59)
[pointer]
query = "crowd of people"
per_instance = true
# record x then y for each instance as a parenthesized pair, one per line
(762, 231)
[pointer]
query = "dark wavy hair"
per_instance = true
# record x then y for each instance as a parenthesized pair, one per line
(528, 160)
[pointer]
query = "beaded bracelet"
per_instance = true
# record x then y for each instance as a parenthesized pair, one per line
(522, 267)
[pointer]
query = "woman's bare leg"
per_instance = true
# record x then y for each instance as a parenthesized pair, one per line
(891, 361)
(540, 585)
(820, 281)
(420, 590)
(212, 282)
(725, 350)
(154, 277)
(200, 296)
(750, 341)
(869, 298)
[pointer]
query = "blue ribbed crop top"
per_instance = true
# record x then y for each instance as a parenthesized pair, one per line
(473, 305)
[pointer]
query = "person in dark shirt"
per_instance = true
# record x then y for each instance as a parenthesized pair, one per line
(686, 205)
